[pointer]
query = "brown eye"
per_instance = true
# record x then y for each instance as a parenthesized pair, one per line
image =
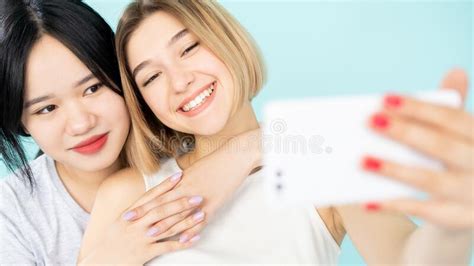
(48, 109)
(148, 81)
(93, 89)
(189, 49)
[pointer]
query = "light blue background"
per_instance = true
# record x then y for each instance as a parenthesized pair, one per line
(338, 47)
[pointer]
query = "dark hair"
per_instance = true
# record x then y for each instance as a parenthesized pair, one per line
(22, 23)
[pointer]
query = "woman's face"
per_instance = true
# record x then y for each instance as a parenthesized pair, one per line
(72, 117)
(185, 85)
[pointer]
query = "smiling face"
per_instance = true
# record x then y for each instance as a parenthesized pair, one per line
(69, 113)
(186, 86)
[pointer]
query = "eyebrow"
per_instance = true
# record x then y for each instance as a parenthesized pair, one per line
(173, 40)
(37, 100)
(50, 96)
(178, 36)
(84, 80)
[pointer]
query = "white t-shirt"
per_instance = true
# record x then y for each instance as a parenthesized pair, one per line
(246, 230)
(43, 228)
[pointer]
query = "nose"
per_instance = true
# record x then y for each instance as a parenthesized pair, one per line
(180, 78)
(80, 120)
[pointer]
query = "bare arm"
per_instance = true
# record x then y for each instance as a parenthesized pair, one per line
(379, 237)
(113, 237)
(227, 167)
(115, 195)
(392, 238)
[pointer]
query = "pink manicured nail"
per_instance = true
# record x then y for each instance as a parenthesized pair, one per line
(196, 200)
(198, 216)
(194, 239)
(176, 177)
(129, 215)
(152, 231)
(183, 238)
(393, 101)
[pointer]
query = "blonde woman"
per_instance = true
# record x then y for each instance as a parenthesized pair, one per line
(190, 69)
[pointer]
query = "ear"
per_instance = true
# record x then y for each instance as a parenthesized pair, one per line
(25, 131)
(458, 80)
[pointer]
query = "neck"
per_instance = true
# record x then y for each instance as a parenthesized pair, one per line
(83, 185)
(244, 119)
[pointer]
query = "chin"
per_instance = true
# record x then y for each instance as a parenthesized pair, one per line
(96, 163)
(208, 128)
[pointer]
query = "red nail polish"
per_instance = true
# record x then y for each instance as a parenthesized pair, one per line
(380, 121)
(371, 164)
(372, 206)
(393, 101)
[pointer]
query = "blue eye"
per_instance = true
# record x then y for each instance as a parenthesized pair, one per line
(46, 110)
(93, 89)
(152, 78)
(189, 49)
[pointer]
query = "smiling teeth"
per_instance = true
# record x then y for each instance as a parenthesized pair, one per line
(200, 99)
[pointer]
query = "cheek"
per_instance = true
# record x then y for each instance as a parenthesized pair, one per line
(47, 134)
(113, 109)
(158, 104)
(212, 64)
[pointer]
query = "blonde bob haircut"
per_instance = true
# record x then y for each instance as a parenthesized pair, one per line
(217, 30)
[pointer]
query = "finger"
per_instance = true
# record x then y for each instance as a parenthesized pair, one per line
(145, 203)
(160, 248)
(182, 225)
(444, 213)
(455, 121)
(455, 153)
(169, 209)
(193, 231)
(165, 186)
(160, 227)
(440, 184)
(458, 80)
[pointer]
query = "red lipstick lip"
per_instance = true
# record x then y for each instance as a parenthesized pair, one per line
(91, 145)
(194, 95)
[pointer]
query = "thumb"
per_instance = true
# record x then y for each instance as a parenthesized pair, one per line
(457, 80)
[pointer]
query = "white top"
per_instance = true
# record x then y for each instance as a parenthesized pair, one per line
(40, 228)
(246, 230)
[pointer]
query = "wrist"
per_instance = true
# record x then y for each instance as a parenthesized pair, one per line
(250, 146)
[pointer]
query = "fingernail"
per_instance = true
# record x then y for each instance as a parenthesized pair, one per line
(176, 177)
(194, 239)
(380, 121)
(152, 231)
(372, 206)
(371, 164)
(183, 238)
(393, 101)
(198, 216)
(129, 215)
(195, 200)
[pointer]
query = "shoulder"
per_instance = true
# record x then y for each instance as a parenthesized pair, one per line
(122, 188)
(127, 180)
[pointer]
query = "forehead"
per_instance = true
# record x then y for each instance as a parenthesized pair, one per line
(151, 36)
(51, 66)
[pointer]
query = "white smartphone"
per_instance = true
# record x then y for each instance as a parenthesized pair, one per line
(313, 150)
